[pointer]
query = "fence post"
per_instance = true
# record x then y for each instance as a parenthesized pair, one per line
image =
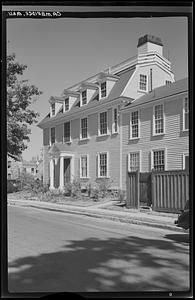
(128, 192)
(138, 189)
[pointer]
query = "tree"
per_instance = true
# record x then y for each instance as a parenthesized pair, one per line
(20, 94)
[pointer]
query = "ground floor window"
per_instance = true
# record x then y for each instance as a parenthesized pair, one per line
(186, 162)
(84, 166)
(134, 161)
(103, 164)
(159, 160)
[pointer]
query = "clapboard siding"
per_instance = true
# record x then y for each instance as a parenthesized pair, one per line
(174, 140)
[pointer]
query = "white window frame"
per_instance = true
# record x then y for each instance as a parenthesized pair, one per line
(185, 129)
(50, 136)
(99, 133)
(67, 142)
(154, 124)
(183, 159)
(141, 89)
(113, 120)
(100, 90)
(65, 104)
(87, 156)
(167, 82)
(53, 114)
(165, 157)
(134, 152)
(81, 138)
(130, 131)
(107, 162)
(82, 97)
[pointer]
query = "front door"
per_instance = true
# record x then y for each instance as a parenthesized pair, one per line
(66, 170)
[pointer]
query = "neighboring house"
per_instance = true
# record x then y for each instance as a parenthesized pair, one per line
(33, 167)
(82, 131)
(14, 166)
(155, 131)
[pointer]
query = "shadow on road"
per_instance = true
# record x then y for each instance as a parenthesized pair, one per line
(179, 237)
(114, 264)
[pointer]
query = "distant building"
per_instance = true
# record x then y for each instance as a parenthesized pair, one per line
(33, 167)
(14, 166)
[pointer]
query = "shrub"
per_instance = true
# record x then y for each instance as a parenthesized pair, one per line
(104, 185)
(76, 188)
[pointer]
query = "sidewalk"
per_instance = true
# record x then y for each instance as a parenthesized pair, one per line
(131, 216)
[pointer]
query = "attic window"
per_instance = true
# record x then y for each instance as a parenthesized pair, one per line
(53, 109)
(66, 104)
(84, 97)
(103, 89)
(143, 82)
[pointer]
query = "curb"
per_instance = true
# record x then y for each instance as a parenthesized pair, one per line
(113, 217)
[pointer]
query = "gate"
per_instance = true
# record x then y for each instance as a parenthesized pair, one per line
(145, 193)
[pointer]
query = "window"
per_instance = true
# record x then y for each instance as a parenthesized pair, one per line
(9, 176)
(134, 124)
(168, 82)
(143, 82)
(84, 166)
(53, 109)
(9, 163)
(37, 171)
(53, 138)
(186, 113)
(84, 97)
(84, 133)
(32, 170)
(186, 162)
(158, 160)
(158, 119)
(67, 132)
(134, 161)
(115, 121)
(103, 89)
(103, 123)
(66, 104)
(103, 165)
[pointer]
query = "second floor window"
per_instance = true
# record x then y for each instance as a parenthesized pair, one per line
(84, 134)
(143, 82)
(115, 121)
(84, 97)
(103, 123)
(53, 109)
(67, 132)
(134, 125)
(159, 160)
(103, 89)
(186, 114)
(66, 104)
(158, 119)
(53, 138)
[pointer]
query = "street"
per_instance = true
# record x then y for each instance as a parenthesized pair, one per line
(58, 252)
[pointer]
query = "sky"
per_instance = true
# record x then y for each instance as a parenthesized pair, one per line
(64, 51)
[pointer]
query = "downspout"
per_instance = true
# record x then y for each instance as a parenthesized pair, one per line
(120, 151)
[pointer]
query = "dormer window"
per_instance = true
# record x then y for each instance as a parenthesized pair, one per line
(84, 97)
(66, 104)
(143, 82)
(103, 89)
(53, 109)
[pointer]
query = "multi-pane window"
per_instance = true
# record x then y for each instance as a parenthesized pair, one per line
(143, 82)
(115, 120)
(84, 134)
(53, 109)
(103, 165)
(66, 104)
(53, 137)
(159, 160)
(67, 132)
(167, 82)
(134, 161)
(103, 123)
(84, 97)
(158, 119)
(103, 89)
(84, 166)
(134, 125)
(186, 114)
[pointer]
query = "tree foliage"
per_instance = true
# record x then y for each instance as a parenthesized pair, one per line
(20, 95)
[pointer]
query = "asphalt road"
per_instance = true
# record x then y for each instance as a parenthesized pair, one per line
(57, 252)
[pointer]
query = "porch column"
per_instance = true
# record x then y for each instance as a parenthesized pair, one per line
(61, 172)
(51, 174)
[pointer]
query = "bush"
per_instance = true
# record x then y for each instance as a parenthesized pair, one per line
(104, 185)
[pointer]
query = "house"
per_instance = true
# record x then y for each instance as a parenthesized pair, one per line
(33, 167)
(14, 166)
(155, 131)
(82, 130)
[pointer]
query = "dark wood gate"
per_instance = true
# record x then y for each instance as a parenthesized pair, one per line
(145, 191)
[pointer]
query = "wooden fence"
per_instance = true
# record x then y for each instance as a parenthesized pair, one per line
(166, 190)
